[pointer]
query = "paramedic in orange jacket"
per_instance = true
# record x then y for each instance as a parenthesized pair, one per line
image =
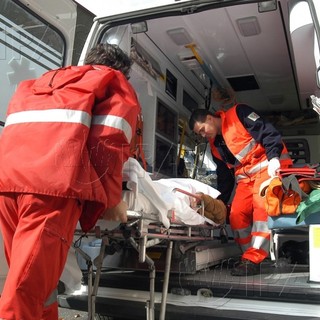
(254, 149)
(66, 137)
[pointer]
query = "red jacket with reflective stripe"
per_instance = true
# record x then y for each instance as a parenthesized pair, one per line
(250, 154)
(67, 134)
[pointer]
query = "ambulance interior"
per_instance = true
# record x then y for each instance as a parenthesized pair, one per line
(265, 54)
(262, 53)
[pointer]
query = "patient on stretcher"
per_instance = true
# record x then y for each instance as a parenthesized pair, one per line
(162, 197)
(162, 200)
(214, 209)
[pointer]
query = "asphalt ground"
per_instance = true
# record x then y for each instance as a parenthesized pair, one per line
(69, 314)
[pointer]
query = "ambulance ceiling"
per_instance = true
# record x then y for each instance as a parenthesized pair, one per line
(241, 48)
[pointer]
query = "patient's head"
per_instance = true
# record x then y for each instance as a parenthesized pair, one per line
(195, 202)
(214, 209)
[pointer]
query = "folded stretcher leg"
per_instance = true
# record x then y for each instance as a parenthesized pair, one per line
(142, 232)
(94, 285)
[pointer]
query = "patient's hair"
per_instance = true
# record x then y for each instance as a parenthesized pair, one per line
(199, 115)
(111, 56)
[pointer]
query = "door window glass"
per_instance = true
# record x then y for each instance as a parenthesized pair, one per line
(29, 46)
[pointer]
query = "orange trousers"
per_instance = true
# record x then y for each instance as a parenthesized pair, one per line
(37, 233)
(248, 219)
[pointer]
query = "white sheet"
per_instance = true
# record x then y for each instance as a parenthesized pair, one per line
(157, 196)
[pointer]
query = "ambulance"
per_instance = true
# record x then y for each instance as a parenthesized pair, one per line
(189, 54)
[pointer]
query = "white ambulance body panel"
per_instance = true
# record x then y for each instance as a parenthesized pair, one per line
(35, 36)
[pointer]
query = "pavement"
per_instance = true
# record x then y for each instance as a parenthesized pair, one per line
(69, 314)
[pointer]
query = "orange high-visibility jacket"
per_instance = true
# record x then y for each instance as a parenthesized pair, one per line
(67, 134)
(250, 154)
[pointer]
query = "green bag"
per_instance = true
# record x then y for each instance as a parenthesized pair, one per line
(308, 207)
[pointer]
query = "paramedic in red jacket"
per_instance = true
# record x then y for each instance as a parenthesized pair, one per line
(254, 149)
(66, 137)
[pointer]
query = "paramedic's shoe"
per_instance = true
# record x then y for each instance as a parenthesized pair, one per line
(246, 268)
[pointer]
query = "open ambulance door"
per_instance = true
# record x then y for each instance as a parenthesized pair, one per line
(35, 36)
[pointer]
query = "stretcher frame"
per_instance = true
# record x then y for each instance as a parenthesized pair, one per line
(143, 231)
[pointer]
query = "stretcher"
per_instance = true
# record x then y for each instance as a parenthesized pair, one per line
(159, 216)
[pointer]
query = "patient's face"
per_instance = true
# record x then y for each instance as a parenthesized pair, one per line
(193, 203)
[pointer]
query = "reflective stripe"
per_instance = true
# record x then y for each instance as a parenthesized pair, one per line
(243, 153)
(242, 233)
(114, 122)
(260, 226)
(240, 177)
(258, 166)
(50, 115)
(52, 298)
(69, 116)
(253, 170)
(259, 242)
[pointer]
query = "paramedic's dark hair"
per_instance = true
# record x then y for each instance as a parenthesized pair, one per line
(111, 56)
(199, 115)
(221, 94)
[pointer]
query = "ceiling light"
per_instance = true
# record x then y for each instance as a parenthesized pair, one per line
(139, 27)
(249, 26)
(180, 36)
(266, 6)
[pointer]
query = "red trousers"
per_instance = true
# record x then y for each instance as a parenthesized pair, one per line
(248, 219)
(37, 233)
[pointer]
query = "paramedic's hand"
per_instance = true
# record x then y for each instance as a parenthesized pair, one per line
(117, 213)
(274, 165)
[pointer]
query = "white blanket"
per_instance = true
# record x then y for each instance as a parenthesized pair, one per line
(158, 197)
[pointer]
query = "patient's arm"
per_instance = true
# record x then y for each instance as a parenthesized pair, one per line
(117, 213)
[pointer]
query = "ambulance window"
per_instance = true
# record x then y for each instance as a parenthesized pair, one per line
(165, 158)
(188, 101)
(120, 36)
(30, 46)
(171, 85)
(166, 122)
(28, 36)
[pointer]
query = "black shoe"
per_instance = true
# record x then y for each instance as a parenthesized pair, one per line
(246, 268)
